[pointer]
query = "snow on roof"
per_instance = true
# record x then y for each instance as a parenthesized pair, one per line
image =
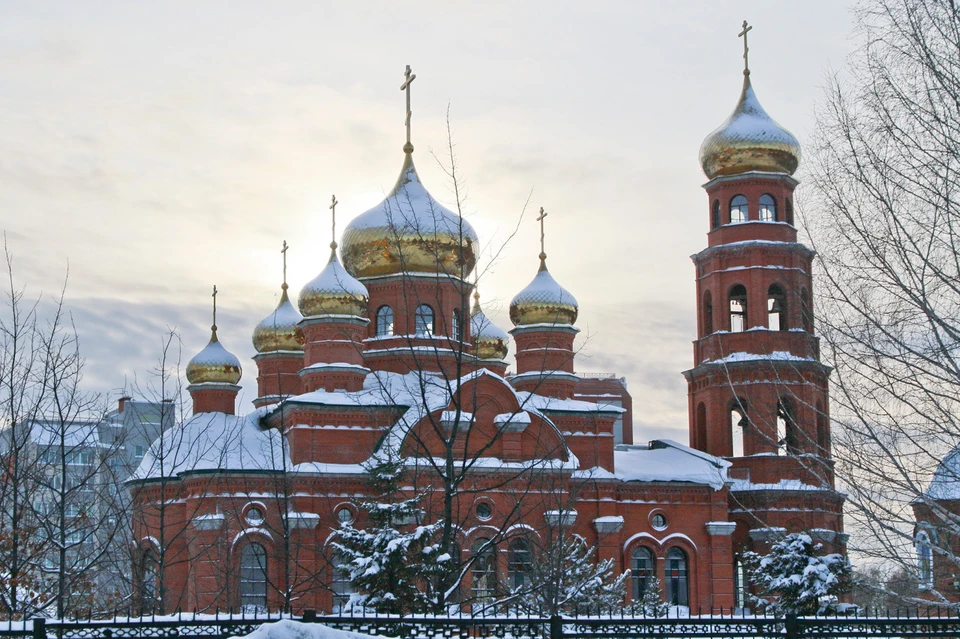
(334, 279)
(482, 327)
(666, 460)
(410, 209)
(286, 314)
(215, 353)
(544, 290)
(46, 432)
(541, 402)
(946, 479)
(783, 484)
(214, 441)
(750, 357)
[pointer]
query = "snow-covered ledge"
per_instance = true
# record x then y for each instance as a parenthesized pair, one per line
(449, 419)
(768, 534)
(208, 522)
(512, 422)
(560, 517)
(304, 521)
(609, 524)
(721, 528)
(823, 534)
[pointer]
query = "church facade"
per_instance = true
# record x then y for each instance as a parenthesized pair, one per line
(384, 357)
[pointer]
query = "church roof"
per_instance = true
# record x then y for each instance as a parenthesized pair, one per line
(946, 479)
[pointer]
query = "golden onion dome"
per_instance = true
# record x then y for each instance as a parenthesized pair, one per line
(543, 301)
(280, 330)
(749, 140)
(333, 292)
(409, 232)
(489, 340)
(214, 364)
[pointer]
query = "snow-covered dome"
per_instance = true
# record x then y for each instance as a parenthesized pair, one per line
(946, 480)
(409, 232)
(280, 330)
(543, 301)
(333, 292)
(489, 340)
(749, 140)
(214, 364)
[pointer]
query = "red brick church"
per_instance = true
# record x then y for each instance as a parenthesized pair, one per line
(385, 355)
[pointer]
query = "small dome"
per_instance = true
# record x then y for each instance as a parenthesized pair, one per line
(409, 232)
(543, 301)
(945, 484)
(489, 340)
(333, 292)
(749, 140)
(280, 330)
(214, 364)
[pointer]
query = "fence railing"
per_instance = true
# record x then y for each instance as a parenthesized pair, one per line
(220, 626)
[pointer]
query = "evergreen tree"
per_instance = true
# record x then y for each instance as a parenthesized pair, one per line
(794, 578)
(652, 603)
(391, 562)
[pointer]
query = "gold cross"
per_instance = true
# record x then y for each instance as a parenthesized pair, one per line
(543, 214)
(214, 327)
(284, 252)
(333, 209)
(743, 34)
(410, 77)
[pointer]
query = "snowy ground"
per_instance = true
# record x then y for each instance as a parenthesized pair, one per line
(287, 629)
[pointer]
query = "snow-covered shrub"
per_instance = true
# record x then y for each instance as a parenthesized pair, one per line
(794, 578)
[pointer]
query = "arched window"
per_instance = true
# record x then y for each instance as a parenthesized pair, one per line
(484, 570)
(787, 439)
(806, 312)
(384, 321)
(424, 320)
(738, 209)
(739, 583)
(768, 208)
(253, 578)
(738, 423)
(924, 560)
(644, 572)
(823, 432)
(148, 583)
(776, 308)
(738, 309)
(678, 593)
(715, 215)
(789, 212)
(456, 325)
(707, 313)
(700, 435)
(340, 583)
(519, 564)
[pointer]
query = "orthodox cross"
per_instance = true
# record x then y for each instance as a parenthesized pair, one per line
(333, 215)
(214, 327)
(743, 34)
(543, 214)
(283, 251)
(410, 77)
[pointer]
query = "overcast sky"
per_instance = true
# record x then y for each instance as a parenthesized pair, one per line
(161, 147)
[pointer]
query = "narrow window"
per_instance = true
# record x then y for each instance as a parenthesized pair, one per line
(740, 583)
(700, 435)
(738, 422)
(806, 313)
(384, 321)
(715, 215)
(738, 209)
(340, 584)
(787, 440)
(148, 584)
(823, 432)
(456, 325)
(253, 578)
(768, 208)
(677, 588)
(707, 313)
(519, 564)
(924, 560)
(483, 583)
(776, 308)
(738, 309)
(789, 212)
(424, 320)
(643, 572)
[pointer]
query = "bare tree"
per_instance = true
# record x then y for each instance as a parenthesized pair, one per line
(885, 219)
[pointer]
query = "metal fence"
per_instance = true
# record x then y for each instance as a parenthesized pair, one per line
(220, 626)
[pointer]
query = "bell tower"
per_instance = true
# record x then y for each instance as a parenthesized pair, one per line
(758, 393)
